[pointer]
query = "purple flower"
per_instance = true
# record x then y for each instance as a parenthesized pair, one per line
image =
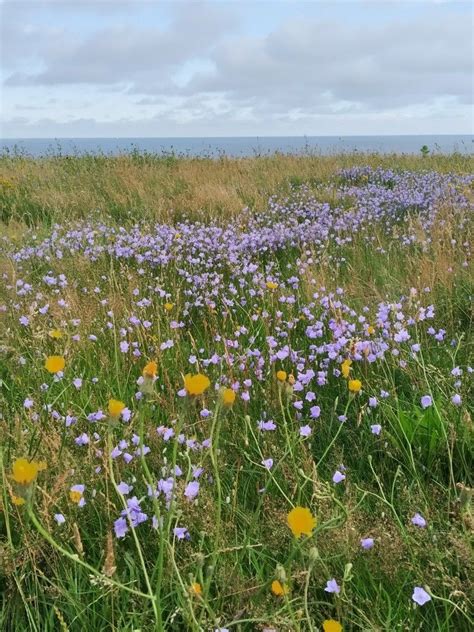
(268, 463)
(192, 490)
(60, 519)
(305, 431)
(332, 586)
(456, 399)
(77, 382)
(367, 543)
(315, 411)
(338, 477)
(28, 403)
(82, 439)
(420, 596)
(376, 429)
(123, 488)
(120, 527)
(124, 346)
(418, 520)
(426, 401)
(181, 533)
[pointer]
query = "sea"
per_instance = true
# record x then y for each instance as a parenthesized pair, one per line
(240, 146)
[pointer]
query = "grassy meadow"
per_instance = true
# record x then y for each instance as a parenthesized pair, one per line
(236, 394)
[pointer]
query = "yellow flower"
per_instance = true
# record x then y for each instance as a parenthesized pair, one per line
(370, 330)
(24, 472)
(16, 500)
(228, 397)
(149, 370)
(301, 521)
(169, 306)
(355, 386)
(54, 363)
(56, 334)
(332, 626)
(196, 384)
(271, 285)
(281, 376)
(279, 589)
(196, 588)
(115, 407)
(346, 367)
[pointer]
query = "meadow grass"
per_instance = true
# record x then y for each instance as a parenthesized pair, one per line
(236, 270)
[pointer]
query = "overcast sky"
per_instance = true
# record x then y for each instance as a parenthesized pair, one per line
(235, 68)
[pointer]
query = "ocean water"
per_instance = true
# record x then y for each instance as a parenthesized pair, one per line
(241, 146)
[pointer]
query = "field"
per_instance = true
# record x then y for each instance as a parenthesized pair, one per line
(235, 394)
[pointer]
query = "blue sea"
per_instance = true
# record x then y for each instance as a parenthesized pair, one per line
(241, 146)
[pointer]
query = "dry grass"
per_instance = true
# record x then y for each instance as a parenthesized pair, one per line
(169, 188)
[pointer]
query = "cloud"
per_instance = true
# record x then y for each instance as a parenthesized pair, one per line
(220, 66)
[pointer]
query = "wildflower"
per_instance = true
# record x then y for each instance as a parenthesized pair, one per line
(55, 363)
(120, 527)
(330, 625)
(281, 376)
(267, 463)
(355, 386)
(418, 521)
(315, 412)
(17, 500)
(301, 521)
(196, 384)
(338, 477)
(56, 334)
(115, 407)
(271, 285)
(370, 330)
(192, 490)
(76, 495)
(367, 543)
(123, 488)
(228, 397)
(376, 429)
(196, 588)
(332, 586)
(60, 519)
(279, 589)
(426, 401)
(456, 399)
(25, 472)
(305, 431)
(149, 370)
(346, 367)
(28, 403)
(420, 596)
(168, 306)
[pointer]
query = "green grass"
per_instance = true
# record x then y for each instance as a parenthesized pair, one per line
(79, 575)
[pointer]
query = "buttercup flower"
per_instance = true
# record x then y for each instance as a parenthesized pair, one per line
(196, 384)
(279, 589)
(281, 376)
(301, 521)
(56, 334)
(228, 397)
(168, 306)
(115, 407)
(354, 386)
(346, 367)
(25, 472)
(150, 369)
(196, 588)
(330, 625)
(55, 363)
(271, 285)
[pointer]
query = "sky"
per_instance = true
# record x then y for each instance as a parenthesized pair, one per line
(151, 68)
